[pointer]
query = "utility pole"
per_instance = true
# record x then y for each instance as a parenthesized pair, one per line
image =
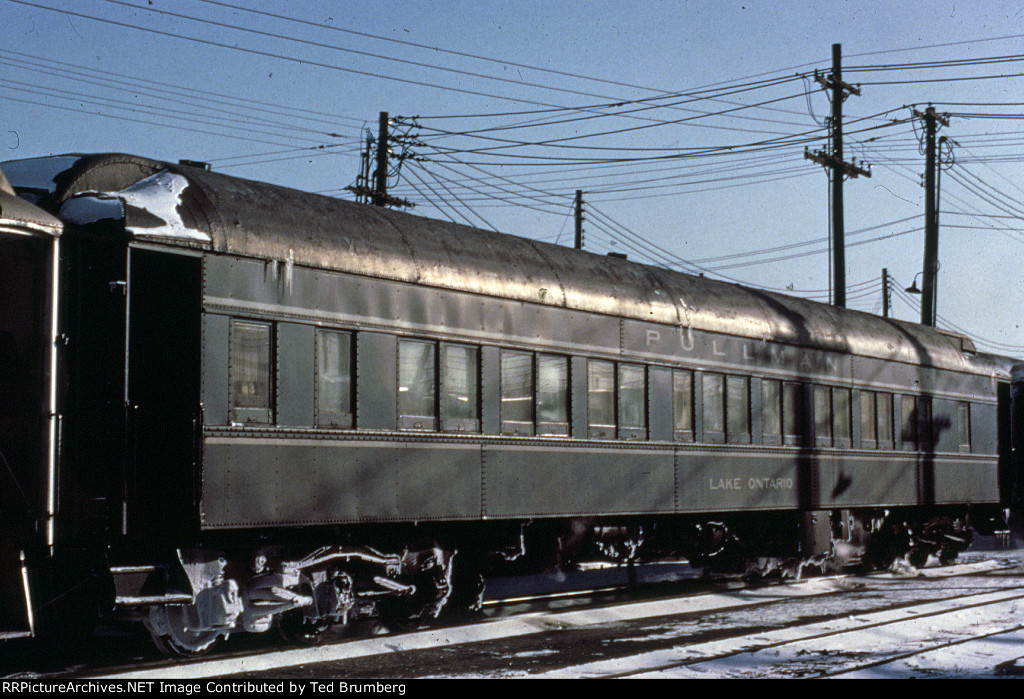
(362, 187)
(929, 279)
(840, 169)
(885, 292)
(579, 219)
(380, 176)
(377, 191)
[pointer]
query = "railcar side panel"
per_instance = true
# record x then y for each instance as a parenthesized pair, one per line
(295, 364)
(722, 480)
(859, 479)
(958, 479)
(215, 369)
(536, 481)
(376, 372)
(275, 481)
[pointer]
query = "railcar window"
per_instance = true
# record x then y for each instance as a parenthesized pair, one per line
(822, 416)
(417, 408)
(868, 420)
(251, 385)
(909, 422)
(682, 405)
(632, 401)
(842, 418)
(794, 421)
(601, 398)
(552, 394)
(714, 407)
(771, 411)
(517, 387)
(334, 378)
(737, 409)
(963, 426)
(925, 424)
(885, 433)
(460, 388)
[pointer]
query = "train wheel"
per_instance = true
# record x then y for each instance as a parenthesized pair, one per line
(918, 557)
(295, 628)
(170, 628)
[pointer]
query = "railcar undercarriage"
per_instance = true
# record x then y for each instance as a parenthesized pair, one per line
(302, 596)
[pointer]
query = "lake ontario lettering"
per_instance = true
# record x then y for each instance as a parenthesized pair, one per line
(750, 483)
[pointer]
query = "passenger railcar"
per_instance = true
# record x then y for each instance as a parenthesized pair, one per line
(239, 406)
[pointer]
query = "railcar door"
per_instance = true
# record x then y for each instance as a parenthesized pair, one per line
(1011, 449)
(164, 300)
(25, 391)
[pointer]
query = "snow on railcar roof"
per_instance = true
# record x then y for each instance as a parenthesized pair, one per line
(149, 208)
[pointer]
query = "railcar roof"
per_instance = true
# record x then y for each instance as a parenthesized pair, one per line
(18, 214)
(228, 214)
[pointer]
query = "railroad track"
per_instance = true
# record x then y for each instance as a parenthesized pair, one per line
(968, 632)
(836, 648)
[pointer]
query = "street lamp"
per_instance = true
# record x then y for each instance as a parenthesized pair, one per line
(912, 289)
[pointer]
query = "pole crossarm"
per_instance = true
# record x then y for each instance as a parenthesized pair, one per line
(829, 160)
(830, 83)
(930, 113)
(384, 198)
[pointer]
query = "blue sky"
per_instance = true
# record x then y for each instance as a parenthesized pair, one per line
(685, 122)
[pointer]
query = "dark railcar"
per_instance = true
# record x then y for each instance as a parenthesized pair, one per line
(281, 407)
(29, 244)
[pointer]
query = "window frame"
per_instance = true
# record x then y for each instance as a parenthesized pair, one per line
(553, 428)
(869, 420)
(248, 414)
(327, 417)
(822, 415)
(887, 437)
(925, 424)
(842, 417)
(447, 422)
(771, 398)
(794, 412)
(738, 414)
(684, 431)
(602, 430)
(410, 421)
(963, 425)
(637, 430)
(521, 428)
(713, 407)
(909, 435)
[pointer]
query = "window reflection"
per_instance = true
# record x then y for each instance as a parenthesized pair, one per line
(460, 388)
(601, 396)
(334, 377)
(552, 394)
(251, 384)
(416, 381)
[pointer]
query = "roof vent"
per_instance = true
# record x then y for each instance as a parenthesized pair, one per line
(618, 255)
(195, 163)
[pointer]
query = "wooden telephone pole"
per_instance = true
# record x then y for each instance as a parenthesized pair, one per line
(377, 194)
(840, 168)
(930, 278)
(579, 220)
